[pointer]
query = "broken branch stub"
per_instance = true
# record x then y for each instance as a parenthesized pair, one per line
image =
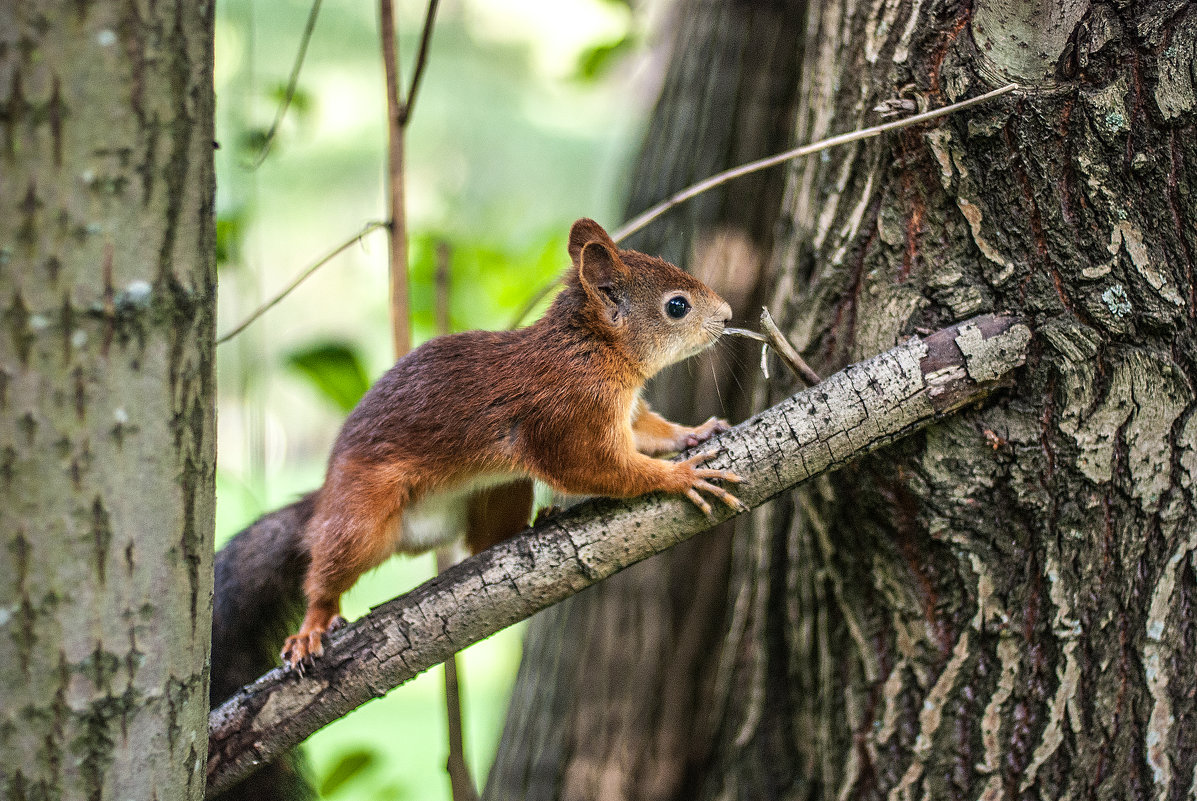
(855, 411)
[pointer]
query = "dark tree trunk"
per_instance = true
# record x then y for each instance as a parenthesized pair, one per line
(610, 696)
(107, 442)
(1003, 606)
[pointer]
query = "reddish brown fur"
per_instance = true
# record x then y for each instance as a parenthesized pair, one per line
(557, 401)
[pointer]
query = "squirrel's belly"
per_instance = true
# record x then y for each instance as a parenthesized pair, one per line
(440, 518)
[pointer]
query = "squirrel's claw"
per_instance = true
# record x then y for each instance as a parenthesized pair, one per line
(699, 482)
(702, 433)
(718, 492)
(302, 648)
(699, 501)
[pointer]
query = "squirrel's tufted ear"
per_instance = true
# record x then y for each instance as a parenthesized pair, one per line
(583, 232)
(605, 279)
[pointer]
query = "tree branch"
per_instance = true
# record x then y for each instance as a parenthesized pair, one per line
(396, 205)
(635, 224)
(853, 412)
(409, 102)
(299, 279)
(292, 83)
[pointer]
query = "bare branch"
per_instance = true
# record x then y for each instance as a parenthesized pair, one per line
(853, 412)
(409, 102)
(634, 225)
(299, 279)
(718, 179)
(292, 83)
(396, 204)
(785, 351)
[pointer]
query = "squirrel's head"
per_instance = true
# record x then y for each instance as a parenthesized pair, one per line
(656, 312)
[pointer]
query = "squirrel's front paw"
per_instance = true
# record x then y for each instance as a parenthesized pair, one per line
(698, 481)
(701, 433)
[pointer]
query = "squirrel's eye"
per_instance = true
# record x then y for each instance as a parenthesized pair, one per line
(677, 307)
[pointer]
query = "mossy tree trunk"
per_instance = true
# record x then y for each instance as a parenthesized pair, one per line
(1002, 607)
(107, 445)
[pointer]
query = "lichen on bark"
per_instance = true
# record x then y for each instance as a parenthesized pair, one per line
(999, 609)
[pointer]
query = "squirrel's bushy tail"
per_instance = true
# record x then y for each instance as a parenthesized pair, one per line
(258, 602)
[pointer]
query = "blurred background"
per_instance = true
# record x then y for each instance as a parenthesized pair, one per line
(527, 118)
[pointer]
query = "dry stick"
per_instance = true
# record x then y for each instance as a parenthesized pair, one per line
(634, 225)
(853, 412)
(639, 222)
(785, 351)
(292, 83)
(299, 279)
(399, 112)
(421, 60)
(460, 780)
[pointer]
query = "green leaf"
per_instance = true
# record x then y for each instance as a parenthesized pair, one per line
(348, 766)
(251, 141)
(335, 369)
(230, 233)
(301, 100)
(597, 61)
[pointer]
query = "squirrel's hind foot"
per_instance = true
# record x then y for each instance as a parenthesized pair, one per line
(308, 644)
(302, 648)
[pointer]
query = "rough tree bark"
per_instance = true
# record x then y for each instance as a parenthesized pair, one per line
(107, 446)
(1002, 607)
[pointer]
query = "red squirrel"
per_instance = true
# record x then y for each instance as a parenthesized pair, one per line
(475, 415)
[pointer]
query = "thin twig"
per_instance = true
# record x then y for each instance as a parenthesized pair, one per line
(639, 222)
(292, 83)
(540, 295)
(421, 58)
(400, 322)
(785, 351)
(634, 225)
(299, 279)
(461, 783)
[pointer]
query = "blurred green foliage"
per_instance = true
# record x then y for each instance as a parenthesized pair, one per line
(335, 369)
(348, 765)
(525, 122)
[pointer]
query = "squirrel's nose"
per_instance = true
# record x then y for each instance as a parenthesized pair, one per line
(724, 313)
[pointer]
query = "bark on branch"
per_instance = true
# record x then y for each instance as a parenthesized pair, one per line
(855, 411)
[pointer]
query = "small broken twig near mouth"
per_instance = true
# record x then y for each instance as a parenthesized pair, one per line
(773, 338)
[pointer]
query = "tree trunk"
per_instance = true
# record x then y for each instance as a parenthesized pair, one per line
(608, 699)
(1001, 607)
(107, 442)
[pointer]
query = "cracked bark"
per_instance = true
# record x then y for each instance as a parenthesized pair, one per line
(1000, 607)
(853, 412)
(107, 447)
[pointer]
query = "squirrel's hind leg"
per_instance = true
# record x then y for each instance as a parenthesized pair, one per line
(497, 513)
(354, 529)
